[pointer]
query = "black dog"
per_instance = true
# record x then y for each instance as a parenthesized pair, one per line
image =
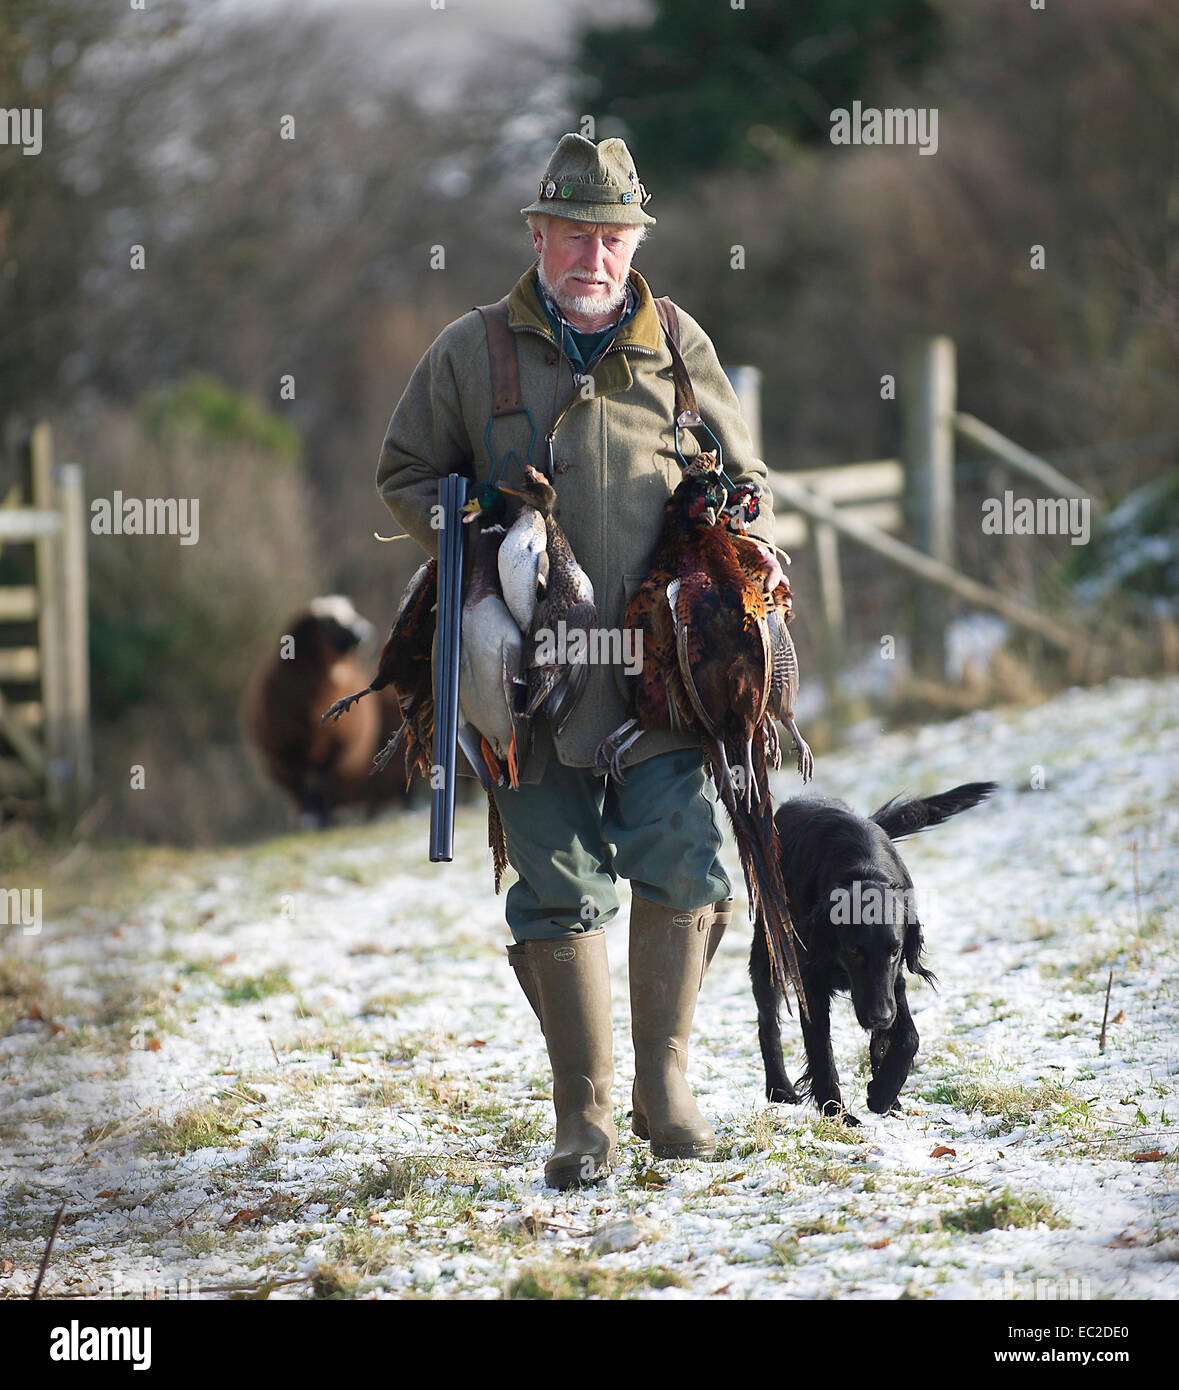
(853, 906)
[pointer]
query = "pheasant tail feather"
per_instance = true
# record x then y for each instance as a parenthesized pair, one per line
(757, 846)
(499, 846)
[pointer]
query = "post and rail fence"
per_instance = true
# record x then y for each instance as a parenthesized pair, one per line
(874, 504)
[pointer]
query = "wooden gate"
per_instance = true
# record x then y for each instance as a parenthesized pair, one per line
(44, 659)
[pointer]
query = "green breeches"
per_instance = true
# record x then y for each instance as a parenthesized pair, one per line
(573, 836)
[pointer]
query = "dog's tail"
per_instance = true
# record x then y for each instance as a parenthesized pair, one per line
(900, 818)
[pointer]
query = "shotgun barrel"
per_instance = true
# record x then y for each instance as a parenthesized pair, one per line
(452, 493)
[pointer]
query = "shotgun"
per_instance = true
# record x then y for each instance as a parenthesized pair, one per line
(452, 493)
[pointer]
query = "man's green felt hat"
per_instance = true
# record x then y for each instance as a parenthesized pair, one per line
(592, 183)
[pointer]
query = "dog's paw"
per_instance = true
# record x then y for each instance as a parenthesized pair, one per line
(833, 1110)
(782, 1095)
(883, 1104)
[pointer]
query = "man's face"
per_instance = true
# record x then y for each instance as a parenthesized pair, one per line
(584, 265)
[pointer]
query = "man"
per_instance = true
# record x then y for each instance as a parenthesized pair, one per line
(595, 378)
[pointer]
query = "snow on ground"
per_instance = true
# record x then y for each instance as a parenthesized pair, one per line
(305, 1068)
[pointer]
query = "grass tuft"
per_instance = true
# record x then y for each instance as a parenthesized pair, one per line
(1013, 1104)
(211, 1124)
(578, 1279)
(246, 990)
(1003, 1213)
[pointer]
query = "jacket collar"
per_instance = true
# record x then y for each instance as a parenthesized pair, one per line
(642, 330)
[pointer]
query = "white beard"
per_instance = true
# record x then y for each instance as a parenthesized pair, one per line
(583, 303)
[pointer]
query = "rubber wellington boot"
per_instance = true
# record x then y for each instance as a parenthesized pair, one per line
(669, 952)
(567, 982)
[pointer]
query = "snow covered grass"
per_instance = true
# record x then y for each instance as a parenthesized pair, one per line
(304, 1069)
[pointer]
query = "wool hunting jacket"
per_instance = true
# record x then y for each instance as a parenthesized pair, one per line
(615, 465)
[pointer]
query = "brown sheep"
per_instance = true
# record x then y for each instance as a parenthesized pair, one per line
(323, 766)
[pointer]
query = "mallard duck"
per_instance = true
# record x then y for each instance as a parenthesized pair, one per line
(494, 732)
(523, 566)
(558, 669)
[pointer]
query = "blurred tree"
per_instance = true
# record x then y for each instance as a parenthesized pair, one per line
(707, 86)
(46, 219)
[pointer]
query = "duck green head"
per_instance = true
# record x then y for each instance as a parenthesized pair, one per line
(486, 502)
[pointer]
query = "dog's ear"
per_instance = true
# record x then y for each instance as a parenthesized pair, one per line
(900, 818)
(915, 949)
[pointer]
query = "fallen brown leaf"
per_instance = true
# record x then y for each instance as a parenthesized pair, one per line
(243, 1218)
(942, 1151)
(1119, 1017)
(878, 1244)
(966, 950)
(153, 1044)
(1150, 1156)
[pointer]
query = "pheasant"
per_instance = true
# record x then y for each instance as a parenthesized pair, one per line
(708, 666)
(759, 561)
(405, 665)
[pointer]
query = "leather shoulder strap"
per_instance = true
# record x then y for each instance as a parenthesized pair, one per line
(505, 366)
(669, 318)
(685, 395)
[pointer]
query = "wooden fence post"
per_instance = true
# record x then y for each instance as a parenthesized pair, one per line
(929, 391)
(831, 602)
(746, 382)
(75, 637)
(50, 636)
